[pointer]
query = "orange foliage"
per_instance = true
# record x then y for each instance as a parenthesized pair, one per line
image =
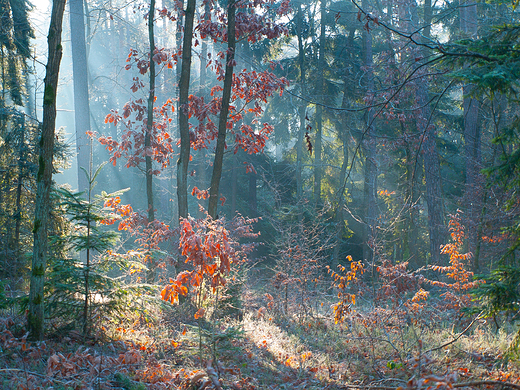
(457, 294)
(342, 281)
(210, 249)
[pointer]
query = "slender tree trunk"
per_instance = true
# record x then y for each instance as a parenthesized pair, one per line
(471, 107)
(234, 185)
(19, 186)
(253, 206)
(149, 121)
(184, 84)
(302, 111)
(432, 171)
(370, 152)
(224, 112)
(80, 78)
(150, 275)
(35, 317)
(201, 172)
(340, 219)
(318, 170)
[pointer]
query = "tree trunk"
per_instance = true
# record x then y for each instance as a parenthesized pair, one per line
(432, 170)
(35, 317)
(201, 171)
(253, 207)
(234, 185)
(369, 148)
(302, 111)
(149, 120)
(19, 185)
(224, 112)
(184, 84)
(81, 100)
(471, 107)
(150, 275)
(318, 170)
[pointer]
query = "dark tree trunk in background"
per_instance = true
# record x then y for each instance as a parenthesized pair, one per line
(81, 100)
(234, 184)
(149, 121)
(22, 162)
(302, 111)
(184, 85)
(474, 181)
(432, 171)
(201, 171)
(253, 207)
(150, 274)
(340, 219)
(318, 168)
(224, 112)
(35, 319)
(369, 148)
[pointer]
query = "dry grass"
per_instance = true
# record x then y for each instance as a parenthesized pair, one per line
(266, 349)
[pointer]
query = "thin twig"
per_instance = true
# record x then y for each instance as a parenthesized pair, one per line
(456, 338)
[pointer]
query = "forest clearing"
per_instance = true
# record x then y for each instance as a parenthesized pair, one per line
(259, 194)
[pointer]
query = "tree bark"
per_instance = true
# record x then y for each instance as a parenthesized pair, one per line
(184, 129)
(302, 111)
(35, 319)
(149, 120)
(253, 206)
(201, 171)
(19, 185)
(432, 170)
(318, 170)
(150, 274)
(369, 148)
(471, 107)
(80, 81)
(224, 112)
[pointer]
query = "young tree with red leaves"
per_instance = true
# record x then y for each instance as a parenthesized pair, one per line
(242, 20)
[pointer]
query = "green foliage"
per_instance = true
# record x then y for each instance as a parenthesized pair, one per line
(93, 286)
(126, 383)
(500, 292)
(494, 60)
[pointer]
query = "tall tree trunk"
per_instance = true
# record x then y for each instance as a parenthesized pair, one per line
(224, 112)
(201, 172)
(340, 219)
(318, 169)
(253, 206)
(234, 185)
(149, 120)
(35, 319)
(184, 84)
(302, 111)
(150, 275)
(471, 107)
(432, 171)
(81, 100)
(19, 185)
(369, 148)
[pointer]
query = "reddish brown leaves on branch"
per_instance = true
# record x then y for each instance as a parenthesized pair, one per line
(132, 145)
(342, 280)
(210, 249)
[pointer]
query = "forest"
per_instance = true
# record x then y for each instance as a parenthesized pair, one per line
(259, 194)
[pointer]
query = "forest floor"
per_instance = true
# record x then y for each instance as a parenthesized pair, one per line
(374, 348)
